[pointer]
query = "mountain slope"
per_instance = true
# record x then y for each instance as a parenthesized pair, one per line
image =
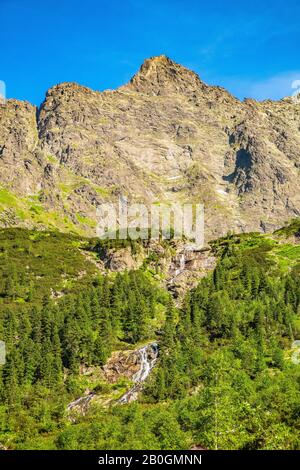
(164, 136)
(225, 357)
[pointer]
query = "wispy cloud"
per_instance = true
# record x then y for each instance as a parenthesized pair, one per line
(275, 87)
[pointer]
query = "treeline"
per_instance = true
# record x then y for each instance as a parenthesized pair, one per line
(46, 342)
(224, 380)
(223, 355)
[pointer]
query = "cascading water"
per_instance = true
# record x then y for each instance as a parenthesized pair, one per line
(148, 356)
(181, 265)
(182, 261)
(81, 403)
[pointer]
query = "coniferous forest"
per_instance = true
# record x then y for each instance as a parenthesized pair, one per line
(149, 232)
(226, 376)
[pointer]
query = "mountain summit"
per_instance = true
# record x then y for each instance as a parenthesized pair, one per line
(164, 136)
(161, 76)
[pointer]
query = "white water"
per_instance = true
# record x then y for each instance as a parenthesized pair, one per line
(147, 356)
(146, 365)
(222, 192)
(81, 402)
(170, 178)
(181, 265)
(182, 262)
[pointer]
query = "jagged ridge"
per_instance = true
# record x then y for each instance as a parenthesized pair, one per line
(164, 136)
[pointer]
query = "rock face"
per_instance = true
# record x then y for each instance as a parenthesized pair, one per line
(164, 136)
(121, 260)
(135, 365)
(177, 265)
(186, 268)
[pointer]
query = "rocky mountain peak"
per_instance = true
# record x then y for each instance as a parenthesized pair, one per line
(164, 137)
(160, 75)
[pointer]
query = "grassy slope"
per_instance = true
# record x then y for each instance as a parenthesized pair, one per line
(47, 261)
(54, 261)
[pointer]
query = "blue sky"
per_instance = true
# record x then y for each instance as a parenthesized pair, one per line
(249, 47)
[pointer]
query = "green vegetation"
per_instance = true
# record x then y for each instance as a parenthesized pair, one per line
(36, 264)
(86, 221)
(31, 210)
(224, 378)
(7, 198)
(293, 229)
(57, 314)
(14, 210)
(223, 360)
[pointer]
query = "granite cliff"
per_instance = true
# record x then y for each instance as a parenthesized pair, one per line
(164, 136)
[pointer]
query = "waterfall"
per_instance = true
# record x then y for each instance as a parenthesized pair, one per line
(81, 402)
(181, 265)
(182, 262)
(146, 364)
(145, 367)
(147, 358)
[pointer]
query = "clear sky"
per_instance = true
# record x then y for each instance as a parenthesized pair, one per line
(250, 47)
